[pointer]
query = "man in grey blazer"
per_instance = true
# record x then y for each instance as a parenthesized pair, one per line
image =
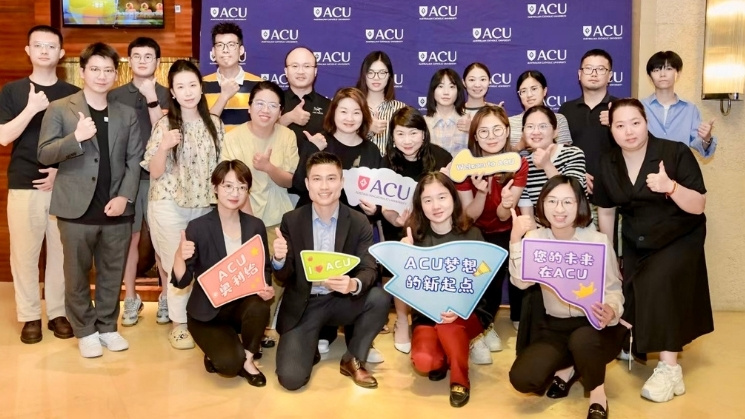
(97, 146)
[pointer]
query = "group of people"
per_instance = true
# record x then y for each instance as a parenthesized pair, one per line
(209, 162)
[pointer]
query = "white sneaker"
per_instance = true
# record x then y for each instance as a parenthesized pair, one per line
(323, 346)
(665, 382)
(492, 339)
(162, 316)
(374, 356)
(180, 337)
(132, 309)
(479, 353)
(90, 346)
(113, 341)
(624, 356)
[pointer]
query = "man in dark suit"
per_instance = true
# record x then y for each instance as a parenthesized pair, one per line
(350, 299)
(97, 146)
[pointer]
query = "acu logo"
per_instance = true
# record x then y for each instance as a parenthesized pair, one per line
(498, 79)
(547, 55)
(384, 34)
(547, 9)
(279, 79)
(390, 190)
(422, 101)
(438, 56)
(280, 34)
(493, 33)
(229, 12)
(438, 11)
(332, 12)
(606, 31)
(333, 57)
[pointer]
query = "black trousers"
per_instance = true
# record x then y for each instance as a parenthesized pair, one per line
(562, 343)
(219, 340)
(297, 346)
(492, 298)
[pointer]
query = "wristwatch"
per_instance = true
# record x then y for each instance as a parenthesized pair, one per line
(153, 104)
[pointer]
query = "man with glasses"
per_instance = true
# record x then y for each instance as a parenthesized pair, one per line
(150, 101)
(588, 114)
(22, 106)
(227, 90)
(98, 148)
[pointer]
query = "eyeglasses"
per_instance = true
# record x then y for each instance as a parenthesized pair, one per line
(371, 74)
(565, 203)
(147, 58)
(108, 72)
(483, 133)
(260, 104)
(539, 127)
(532, 89)
(296, 67)
(600, 70)
(48, 45)
(232, 46)
(229, 188)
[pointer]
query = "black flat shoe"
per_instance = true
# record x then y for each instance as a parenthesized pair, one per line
(596, 411)
(316, 357)
(256, 380)
(259, 354)
(459, 395)
(439, 374)
(560, 388)
(209, 366)
(267, 342)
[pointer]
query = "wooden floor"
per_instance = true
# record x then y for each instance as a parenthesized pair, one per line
(151, 380)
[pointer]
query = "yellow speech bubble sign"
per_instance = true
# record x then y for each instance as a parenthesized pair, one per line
(465, 164)
(320, 266)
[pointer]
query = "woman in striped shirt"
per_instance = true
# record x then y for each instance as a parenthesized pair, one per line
(376, 82)
(532, 89)
(547, 158)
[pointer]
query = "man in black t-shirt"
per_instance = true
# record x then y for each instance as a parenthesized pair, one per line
(149, 101)
(98, 147)
(22, 106)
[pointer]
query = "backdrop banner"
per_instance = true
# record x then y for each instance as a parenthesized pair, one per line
(424, 36)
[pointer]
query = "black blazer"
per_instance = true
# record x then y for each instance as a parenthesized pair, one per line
(209, 244)
(353, 237)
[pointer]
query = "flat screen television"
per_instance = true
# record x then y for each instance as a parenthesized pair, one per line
(142, 13)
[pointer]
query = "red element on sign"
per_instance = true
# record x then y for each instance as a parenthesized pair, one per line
(363, 182)
(319, 268)
(310, 258)
(238, 275)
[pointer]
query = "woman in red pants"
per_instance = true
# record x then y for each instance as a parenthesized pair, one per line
(438, 217)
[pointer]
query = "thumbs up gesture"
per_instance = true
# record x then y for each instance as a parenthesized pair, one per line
(171, 138)
(37, 102)
(704, 130)
(85, 129)
(318, 140)
(508, 198)
(409, 239)
(378, 125)
(280, 246)
(542, 157)
(464, 123)
(521, 224)
(261, 161)
(185, 247)
(298, 115)
(605, 116)
(660, 182)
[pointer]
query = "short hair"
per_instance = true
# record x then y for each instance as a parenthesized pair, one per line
(100, 49)
(144, 42)
(460, 95)
(322, 157)
(409, 117)
(627, 102)
(226, 28)
(475, 65)
(370, 59)
(45, 28)
(315, 61)
(584, 214)
(597, 52)
(242, 172)
(329, 122)
(267, 85)
(659, 59)
(544, 110)
(419, 223)
(499, 112)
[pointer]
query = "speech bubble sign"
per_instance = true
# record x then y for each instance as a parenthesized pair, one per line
(320, 266)
(237, 275)
(465, 164)
(447, 277)
(382, 187)
(574, 270)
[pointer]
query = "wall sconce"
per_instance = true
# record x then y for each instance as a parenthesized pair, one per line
(724, 52)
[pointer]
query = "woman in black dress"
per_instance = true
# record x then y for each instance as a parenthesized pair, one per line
(659, 191)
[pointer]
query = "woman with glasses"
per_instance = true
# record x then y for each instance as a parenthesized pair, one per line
(377, 84)
(229, 335)
(532, 89)
(270, 152)
(557, 344)
(488, 200)
(671, 117)
(181, 155)
(659, 191)
(547, 157)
